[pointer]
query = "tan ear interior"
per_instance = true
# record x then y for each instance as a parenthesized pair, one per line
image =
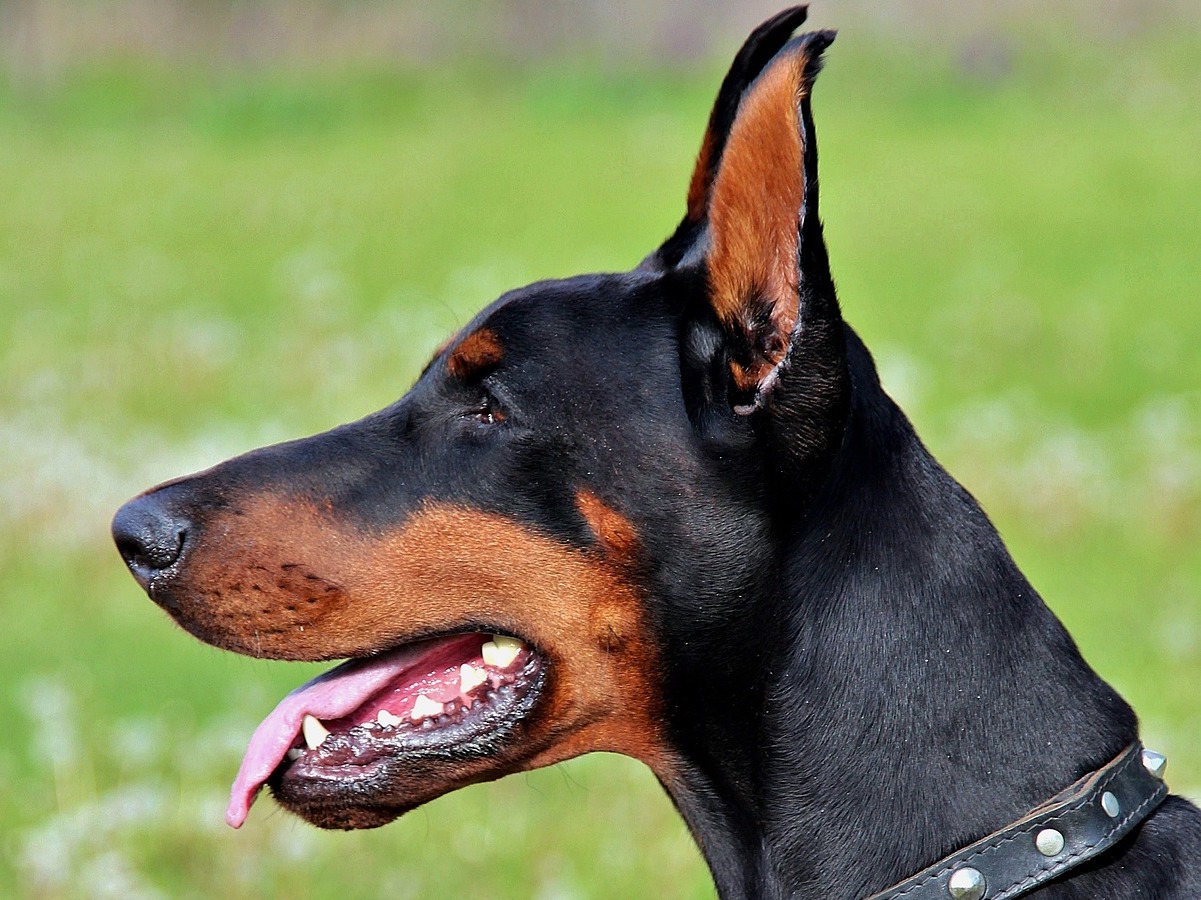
(753, 218)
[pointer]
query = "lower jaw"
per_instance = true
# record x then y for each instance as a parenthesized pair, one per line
(335, 809)
(373, 798)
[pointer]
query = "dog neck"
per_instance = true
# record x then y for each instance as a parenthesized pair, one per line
(917, 693)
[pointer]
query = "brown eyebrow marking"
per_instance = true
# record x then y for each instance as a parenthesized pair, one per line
(477, 352)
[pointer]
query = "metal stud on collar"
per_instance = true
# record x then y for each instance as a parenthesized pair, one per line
(1088, 818)
(1110, 804)
(967, 884)
(1049, 842)
(1155, 763)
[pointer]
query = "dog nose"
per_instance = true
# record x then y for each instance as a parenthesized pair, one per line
(149, 536)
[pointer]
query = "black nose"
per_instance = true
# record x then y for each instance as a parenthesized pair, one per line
(149, 536)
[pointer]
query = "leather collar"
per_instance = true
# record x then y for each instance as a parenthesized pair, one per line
(1076, 825)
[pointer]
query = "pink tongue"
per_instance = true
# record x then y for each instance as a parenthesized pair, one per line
(331, 695)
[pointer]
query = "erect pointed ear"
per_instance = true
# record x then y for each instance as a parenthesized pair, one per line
(764, 43)
(767, 274)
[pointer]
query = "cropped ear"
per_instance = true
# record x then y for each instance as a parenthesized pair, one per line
(762, 211)
(766, 271)
(763, 43)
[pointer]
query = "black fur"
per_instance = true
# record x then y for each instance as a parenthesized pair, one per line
(857, 677)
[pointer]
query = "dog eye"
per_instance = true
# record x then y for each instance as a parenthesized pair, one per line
(489, 412)
(489, 416)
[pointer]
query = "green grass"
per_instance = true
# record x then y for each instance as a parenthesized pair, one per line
(193, 264)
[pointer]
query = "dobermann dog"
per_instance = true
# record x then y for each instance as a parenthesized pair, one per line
(671, 513)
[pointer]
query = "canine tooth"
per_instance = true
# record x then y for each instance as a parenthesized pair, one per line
(424, 708)
(386, 719)
(314, 732)
(471, 677)
(295, 753)
(500, 651)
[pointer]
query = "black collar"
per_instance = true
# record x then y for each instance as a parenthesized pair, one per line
(1075, 825)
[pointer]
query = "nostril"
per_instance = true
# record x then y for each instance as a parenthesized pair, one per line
(148, 536)
(151, 556)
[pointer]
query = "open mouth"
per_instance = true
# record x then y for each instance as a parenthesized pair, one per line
(456, 696)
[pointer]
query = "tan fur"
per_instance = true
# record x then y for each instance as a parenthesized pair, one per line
(615, 533)
(477, 352)
(753, 217)
(288, 581)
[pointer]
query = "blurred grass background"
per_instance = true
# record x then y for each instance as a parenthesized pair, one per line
(223, 224)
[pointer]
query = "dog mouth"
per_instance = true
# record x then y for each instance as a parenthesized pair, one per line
(457, 697)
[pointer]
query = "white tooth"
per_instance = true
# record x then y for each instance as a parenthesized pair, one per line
(295, 753)
(386, 719)
(314, 732)
(500, 651)
(470, 677)
(425, 708)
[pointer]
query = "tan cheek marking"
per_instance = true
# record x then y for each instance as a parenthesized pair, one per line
(447, 567)
(480, 350)
(757, 198)
(614, 531)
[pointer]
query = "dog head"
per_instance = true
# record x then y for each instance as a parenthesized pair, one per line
(552, 543)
